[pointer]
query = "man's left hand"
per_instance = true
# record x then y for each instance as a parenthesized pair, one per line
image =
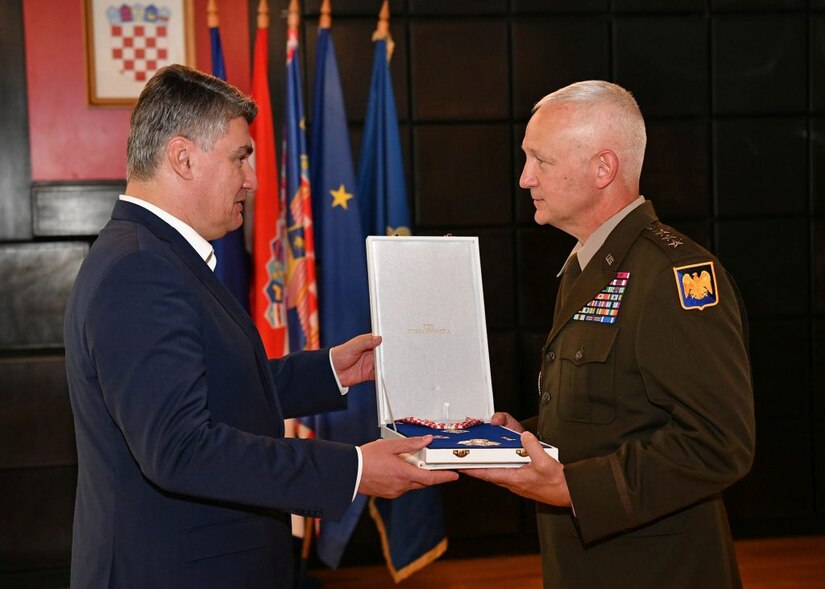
(354, 361)
(542, 479)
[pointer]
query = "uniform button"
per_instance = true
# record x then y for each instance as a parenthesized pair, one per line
(579, 355)
(550, 356)
(545, 398)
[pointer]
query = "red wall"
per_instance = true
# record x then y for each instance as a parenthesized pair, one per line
(71, 140)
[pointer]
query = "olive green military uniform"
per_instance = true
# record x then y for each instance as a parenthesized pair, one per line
(652, 414)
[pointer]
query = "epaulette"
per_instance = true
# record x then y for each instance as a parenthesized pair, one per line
(676, 245)
(693, 267)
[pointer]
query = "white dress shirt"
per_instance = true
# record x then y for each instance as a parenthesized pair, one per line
(585, 251)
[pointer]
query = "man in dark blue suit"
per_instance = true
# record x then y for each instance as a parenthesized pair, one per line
(184, 476)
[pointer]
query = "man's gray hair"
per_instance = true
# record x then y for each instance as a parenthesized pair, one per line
(179, 100)
(627, 118)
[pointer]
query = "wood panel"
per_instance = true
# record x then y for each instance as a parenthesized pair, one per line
(36, 427)
(15, 213)
(67, 209)
(37, 279)
(36, 507)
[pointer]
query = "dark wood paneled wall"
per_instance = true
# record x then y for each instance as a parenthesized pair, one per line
(734, 95)
(15, 174)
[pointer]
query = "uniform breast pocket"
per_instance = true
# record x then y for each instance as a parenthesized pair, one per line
(586, 390)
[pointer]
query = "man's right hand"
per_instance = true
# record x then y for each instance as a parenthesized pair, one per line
(386, 474)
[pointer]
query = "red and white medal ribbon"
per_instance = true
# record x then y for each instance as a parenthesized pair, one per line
(467, 423)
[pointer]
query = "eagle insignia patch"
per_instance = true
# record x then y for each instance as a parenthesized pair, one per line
(696, 285)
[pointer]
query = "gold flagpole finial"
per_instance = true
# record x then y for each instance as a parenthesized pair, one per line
(212, 20)
(263, 14)
(294, 16)
(326, 15)
(382, 31)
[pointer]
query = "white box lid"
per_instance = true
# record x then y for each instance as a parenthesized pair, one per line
(427, 303)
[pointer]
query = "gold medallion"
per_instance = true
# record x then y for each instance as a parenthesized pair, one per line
(479, 442)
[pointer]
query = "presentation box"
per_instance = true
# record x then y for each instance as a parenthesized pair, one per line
(427, 303)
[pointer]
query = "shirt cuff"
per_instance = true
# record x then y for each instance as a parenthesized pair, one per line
(358, 478)
(344, 391)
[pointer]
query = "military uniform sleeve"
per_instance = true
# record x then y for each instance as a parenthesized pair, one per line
(694, 366)
(531, 424)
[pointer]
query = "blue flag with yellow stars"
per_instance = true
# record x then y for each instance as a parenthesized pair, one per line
(343, 296)
(412, 526)
(381, 184)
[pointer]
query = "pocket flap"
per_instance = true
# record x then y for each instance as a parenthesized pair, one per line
(588, 342)
(220, 539)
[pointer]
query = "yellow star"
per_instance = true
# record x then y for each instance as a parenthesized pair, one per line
(340, 197)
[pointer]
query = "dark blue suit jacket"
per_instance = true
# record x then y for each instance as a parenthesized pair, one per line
(184, 477)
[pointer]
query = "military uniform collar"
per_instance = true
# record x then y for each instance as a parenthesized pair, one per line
(585, 251)
(604, 264)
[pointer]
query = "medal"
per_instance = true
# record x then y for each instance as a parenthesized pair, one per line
(479, 442)
(449, 427)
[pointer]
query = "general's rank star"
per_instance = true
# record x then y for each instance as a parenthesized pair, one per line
(340, 197)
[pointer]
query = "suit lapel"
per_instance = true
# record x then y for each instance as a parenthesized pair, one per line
(137, 214)
(188, 256)
(603, 267)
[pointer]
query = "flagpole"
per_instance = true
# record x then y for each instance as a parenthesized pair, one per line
(382, 190)
(325, 21)
(382, 30)
(263, 14)
(212, 20)
(293, 22)
(343, 297)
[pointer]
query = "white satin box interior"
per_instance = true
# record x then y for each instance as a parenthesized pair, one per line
(432, 372)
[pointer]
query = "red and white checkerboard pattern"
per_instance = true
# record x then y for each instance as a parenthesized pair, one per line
(139, 50)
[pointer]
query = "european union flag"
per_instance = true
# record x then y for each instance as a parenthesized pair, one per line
(342, 273)
(230, 250)
(411, 526)
(381, 183)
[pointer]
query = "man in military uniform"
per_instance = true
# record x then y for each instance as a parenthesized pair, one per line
(645, 383)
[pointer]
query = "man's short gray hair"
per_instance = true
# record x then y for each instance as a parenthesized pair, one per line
(628, 120)
(179, 100)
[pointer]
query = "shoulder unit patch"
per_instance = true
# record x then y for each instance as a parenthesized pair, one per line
(696, 285)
